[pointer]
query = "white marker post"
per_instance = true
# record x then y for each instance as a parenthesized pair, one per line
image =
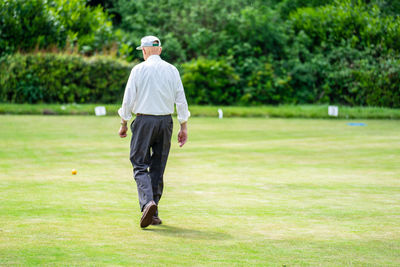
(100, 111)
(220, 113)
(333, 111)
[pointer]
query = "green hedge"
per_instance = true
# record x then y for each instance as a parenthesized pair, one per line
(345, 53)
(60, 78)
(209, 82)
(346, 76)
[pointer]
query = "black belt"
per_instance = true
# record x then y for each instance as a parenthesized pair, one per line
(141, 114)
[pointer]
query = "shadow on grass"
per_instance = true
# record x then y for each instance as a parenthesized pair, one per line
(187, 233)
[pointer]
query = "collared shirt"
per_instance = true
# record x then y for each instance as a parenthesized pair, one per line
(153, 87)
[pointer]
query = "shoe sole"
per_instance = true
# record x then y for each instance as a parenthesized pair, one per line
(148, 215)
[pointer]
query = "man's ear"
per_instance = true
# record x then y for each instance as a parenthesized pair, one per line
(160, 50)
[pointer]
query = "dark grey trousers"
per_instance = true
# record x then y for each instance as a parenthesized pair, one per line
(150, 144)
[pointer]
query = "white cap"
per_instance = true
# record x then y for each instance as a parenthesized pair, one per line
(148, 41)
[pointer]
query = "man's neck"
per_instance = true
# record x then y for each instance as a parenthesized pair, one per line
(156, 55)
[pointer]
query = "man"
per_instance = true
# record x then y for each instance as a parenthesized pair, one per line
(153, 87)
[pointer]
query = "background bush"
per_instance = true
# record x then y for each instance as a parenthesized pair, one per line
(282, 51)
(58, 78)
(247, 52)
(340, 53)
(29, 24)
(210, 82)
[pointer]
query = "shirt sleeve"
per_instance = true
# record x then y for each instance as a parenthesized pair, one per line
(180, 101)
(125, 112)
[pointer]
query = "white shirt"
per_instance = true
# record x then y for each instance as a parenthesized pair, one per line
(153, 87)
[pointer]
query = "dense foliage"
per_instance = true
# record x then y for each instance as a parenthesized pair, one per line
(31, 24)
(58, 78)
(202, 74)
(246, 52)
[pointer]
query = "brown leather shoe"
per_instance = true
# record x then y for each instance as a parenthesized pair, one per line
(156, 221)
(148, 212)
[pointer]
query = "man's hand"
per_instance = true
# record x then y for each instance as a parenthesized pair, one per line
(123, 129)
(182, 135)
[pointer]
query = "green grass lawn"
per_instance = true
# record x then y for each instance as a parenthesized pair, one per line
(242, 191)
(281, 111)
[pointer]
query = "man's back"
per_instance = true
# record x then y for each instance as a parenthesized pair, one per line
(156, 83)
(153, 87)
